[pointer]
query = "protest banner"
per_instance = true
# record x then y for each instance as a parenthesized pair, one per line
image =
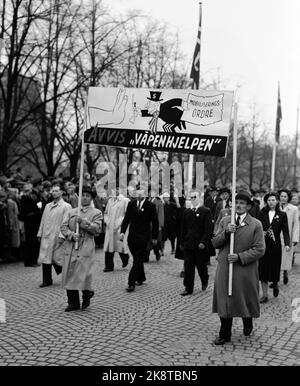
(187, 121)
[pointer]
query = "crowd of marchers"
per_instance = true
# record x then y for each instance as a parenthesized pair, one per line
(40, 224)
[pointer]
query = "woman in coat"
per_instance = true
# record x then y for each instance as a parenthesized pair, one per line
(293, 223)
(14, 225)
(79, 264)
(274, 221)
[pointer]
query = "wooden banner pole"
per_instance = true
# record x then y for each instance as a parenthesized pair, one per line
(81, 174)
(233, 192)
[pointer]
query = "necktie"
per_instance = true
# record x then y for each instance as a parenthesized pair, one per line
(237, 221)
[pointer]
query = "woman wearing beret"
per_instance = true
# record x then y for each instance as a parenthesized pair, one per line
(274, 221)
(79, 263)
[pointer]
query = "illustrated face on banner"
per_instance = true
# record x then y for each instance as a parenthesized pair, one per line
(152, 107)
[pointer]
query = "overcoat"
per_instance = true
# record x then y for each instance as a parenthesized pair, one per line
(196, 228)
(250, 245)
(78, 265)
(13, 222)
(223, 213)
(161, 219)
(142, 223)
(50, 246)
(269, 265)
(293, 223)
(113, 217)
(170, 220)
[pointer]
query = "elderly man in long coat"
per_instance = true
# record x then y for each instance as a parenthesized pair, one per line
(113, 217)
(50, 244)
(79, 262)
(249, 247)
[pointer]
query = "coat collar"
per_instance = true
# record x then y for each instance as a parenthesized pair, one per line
(85, 209)
(58, 203)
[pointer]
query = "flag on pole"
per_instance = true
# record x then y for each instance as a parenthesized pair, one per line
(195, 71)
(278, 116)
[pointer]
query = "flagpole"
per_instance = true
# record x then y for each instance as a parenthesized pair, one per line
(81, 172)
(233, 192)
(191, 156)
(276, 139)
(273, 166)
(296, 146)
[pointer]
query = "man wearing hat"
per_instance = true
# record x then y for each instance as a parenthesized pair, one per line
(78, 265)
(249, 247)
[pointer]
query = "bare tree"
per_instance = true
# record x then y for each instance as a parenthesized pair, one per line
(18, 88)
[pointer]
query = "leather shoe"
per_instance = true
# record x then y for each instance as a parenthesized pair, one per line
(130, 288)
(271, 285)
(107, 270)
(220, 341)
(204, 286)
(185, 293)
(86, 301)
(45, 285)
(264, 299)
(72, 308)
(285, 278)
(248, 330)
(276, 291)
(139, 283)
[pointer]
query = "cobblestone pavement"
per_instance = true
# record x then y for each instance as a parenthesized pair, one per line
(152, 326)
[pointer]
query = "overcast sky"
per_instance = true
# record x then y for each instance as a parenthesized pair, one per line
(254, 43)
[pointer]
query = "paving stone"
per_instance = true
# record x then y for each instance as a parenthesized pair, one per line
(153, 326)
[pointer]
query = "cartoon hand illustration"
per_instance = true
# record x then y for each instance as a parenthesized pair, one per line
(102, 117)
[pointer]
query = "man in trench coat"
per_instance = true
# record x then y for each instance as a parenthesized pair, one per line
(249, 247)
(78, 266)
(113, 217)
(50, 244)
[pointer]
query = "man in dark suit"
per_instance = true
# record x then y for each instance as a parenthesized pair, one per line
(142, 219)
(195, 236)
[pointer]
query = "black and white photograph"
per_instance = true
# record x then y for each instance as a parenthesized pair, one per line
(149, 187)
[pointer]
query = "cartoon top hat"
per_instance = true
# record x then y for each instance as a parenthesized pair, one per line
(154, 96)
